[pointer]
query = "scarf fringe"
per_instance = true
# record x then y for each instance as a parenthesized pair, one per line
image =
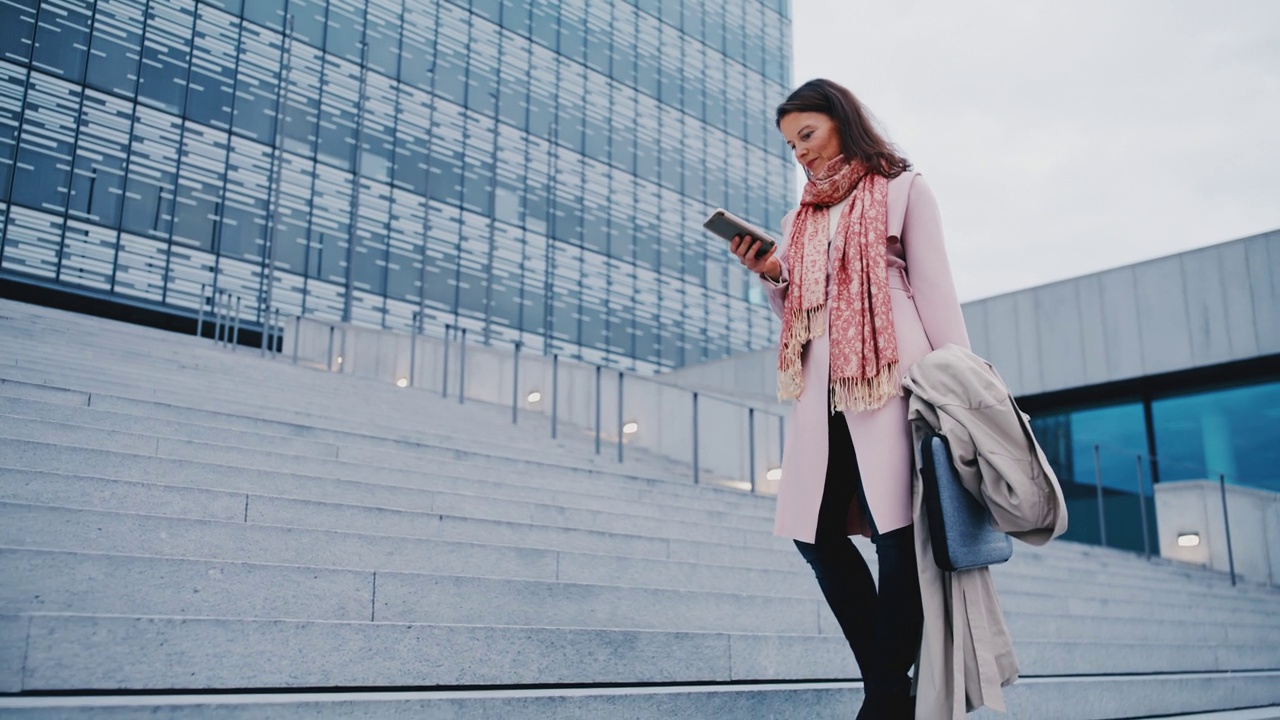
(856, 395)
(805, 325)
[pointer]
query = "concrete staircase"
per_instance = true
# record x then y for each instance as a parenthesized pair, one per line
(192, 532)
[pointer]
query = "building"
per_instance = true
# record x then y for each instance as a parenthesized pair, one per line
(532, 171)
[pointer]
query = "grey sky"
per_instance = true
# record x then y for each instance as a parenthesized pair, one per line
(1063, 138)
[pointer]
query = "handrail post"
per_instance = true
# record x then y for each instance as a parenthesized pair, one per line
(329, 362)
(200, 320)
(462, 367)
(620, 377)
(219, 331)
(751, 448)
(297, 330)
(695, 437)
(444, 381)
(264, 337)
(1102, 513)
(277, 334)
(1226, 527)
(515, 384)
(555, 392)
(1142, 506)
(413, 347)
(598, 369)
(235, 335)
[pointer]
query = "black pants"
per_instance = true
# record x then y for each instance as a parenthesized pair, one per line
(883, 628)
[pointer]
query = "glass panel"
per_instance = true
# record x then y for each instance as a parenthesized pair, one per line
(446, 153)
(382, 32)
(153, 173)
(623, 60)
(442, 255)
(573, 20)
(248, 188)
(599, 20)
(1068, 439)
(257, 82)
(477, 194)
(513, 84)
(413, 136)
(504, 277)
(1228, 432)
(292, 214)
(515, 16)
(418, 44)
(43, 174)
(32, 242)
(451, 54)
(302, 99)
(62, 38)
(545, 23)
(542, 91)
(97, 182)
(377, 128)
(17, 29)
(201, 180)
(369, 264)
(212, 83)
(166, 55)
(473, 263)
(406, 244)
(140, 267)
(344, 31)
(116, 46)
(330, 225)
(341, 99)
(12, 84)
(88, 252)
(308, 21)
(482, 74)
(268, 13)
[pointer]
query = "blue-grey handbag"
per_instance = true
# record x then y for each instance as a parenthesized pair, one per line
(960, 527)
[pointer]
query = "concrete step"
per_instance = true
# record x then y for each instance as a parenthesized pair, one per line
(208, 466)
(601, 478)
(33, 526)
(51, 581)
(1029, 699)
(73, 652)
(1036, 586)
(419, 424)
(87, 583)
(452, 469)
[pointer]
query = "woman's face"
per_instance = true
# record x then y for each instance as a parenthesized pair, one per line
(813, 137)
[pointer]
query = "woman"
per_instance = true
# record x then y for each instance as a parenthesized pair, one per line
(864, 290)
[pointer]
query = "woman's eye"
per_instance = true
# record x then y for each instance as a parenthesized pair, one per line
(806, 136)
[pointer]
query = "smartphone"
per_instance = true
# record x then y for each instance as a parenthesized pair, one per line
(725, 225)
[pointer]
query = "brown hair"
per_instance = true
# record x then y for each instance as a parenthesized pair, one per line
(859, 138)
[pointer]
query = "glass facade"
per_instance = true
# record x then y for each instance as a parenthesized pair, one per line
(1196, 434)
(534, 171)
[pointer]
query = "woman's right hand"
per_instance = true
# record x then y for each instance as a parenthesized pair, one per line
(745, 248)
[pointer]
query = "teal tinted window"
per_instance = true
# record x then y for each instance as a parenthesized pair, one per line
(1231, 432)
(1118, 433)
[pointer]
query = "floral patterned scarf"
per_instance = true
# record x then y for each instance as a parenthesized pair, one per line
(864, 348)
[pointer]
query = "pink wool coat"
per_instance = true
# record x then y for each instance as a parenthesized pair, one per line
(926, 314)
